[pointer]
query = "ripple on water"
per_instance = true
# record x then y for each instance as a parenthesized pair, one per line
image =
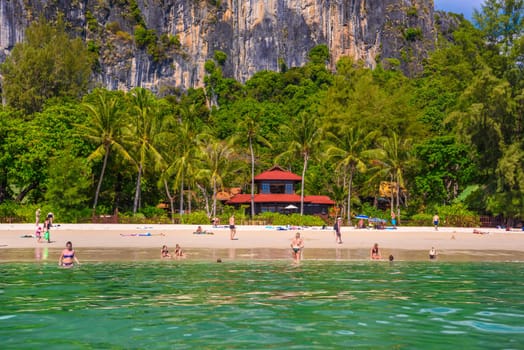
(439, 310)
(6, 317)
(491, 327)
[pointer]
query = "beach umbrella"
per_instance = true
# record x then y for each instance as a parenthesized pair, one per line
(360, 216)
(291, 206)
(377, 220)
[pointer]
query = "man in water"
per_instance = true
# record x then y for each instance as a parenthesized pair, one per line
(297, 244)
(435, 221)
(232, 228)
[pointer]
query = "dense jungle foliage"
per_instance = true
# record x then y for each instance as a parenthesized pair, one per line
(450, 138)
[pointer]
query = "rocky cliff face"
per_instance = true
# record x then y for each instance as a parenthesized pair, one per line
(163, 44)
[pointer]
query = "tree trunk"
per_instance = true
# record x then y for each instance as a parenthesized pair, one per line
(392, 202)
(302, 185)
(3, 186)
(398, 202)
(99, 186)
(137, 189)
(189, 199)
(350, 184)
(206, 199)
(252, 178)
(171, 202)
(25, 191)
(181, 205)
(214, 198)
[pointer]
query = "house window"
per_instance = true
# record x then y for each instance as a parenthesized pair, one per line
(265, 187)
(277, 188)
(289, 188)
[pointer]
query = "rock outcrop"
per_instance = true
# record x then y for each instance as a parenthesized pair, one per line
(163, 44)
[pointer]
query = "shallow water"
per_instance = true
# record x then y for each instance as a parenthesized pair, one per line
(262, 304)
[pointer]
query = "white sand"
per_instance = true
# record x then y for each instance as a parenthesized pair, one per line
(251, 237)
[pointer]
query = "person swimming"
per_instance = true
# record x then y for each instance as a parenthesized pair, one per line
(68, 258)
(375, 254)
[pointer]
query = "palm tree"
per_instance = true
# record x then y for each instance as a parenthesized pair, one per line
(105, 125)
(218, 157)
(250, 128)
(182, 158)
(148, 125)
(304, 136)
(392, 160)
(348, 148)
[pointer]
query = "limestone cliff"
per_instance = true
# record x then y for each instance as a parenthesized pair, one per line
(163, 44)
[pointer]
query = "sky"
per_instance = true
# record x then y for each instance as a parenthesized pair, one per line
(459, 6)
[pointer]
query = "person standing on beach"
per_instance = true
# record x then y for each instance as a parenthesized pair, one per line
(336, 228)
(50, 217)
(393, 219)
(435, 221)
(232, 228)
(47, 229)
(37, 216)
(297, 244)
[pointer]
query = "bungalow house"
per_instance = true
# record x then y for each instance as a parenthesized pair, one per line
(275, 192)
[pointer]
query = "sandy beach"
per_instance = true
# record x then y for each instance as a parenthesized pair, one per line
(136, 242)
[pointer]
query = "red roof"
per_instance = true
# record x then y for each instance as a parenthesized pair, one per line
(319, 200)
(279, 198)
(277, 173)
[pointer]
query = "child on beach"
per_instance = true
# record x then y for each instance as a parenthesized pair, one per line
(38, 233)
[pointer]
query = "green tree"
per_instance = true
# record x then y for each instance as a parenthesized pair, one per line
(48, 63)
(347, 149)
(445, 169)
(219, 161)
(501, 21)
(303, 138)
(392, 162)
(68, 182)
(146, 130)
(104, 127)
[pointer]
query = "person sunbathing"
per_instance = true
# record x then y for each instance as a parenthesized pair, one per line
(478, 232)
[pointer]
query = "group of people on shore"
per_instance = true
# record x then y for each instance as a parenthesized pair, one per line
(43, 231)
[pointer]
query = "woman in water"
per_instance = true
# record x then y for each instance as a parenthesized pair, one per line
(164, 253)
(375, 254)
(68, 258)
(178, 251)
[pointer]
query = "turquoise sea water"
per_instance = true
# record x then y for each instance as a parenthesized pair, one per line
(262, 304)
